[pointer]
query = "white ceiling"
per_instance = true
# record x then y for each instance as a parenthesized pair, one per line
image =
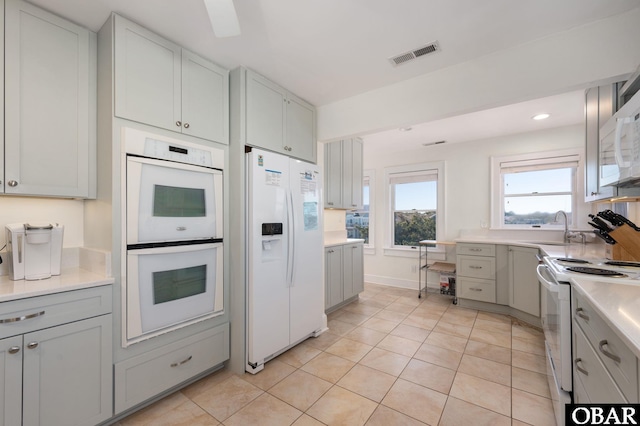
(327, 50)
(565, 109)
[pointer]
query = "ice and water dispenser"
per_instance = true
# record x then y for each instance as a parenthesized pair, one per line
(272, 244)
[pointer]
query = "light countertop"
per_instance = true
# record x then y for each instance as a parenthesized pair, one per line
(617, 304)
(340, 242)
(69, 279)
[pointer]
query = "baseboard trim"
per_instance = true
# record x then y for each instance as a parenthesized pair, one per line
(398, 282)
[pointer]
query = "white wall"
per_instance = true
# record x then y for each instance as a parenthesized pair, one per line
(50, 210)
(467, 191)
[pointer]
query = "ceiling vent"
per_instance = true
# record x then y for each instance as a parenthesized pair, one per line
(414, 54)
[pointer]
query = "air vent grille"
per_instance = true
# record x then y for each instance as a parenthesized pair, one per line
(414, 54)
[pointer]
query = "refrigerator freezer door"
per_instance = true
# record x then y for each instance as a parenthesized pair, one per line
(307, 286)
(268, 288)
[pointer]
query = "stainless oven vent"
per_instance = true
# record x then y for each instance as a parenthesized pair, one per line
(414, 54)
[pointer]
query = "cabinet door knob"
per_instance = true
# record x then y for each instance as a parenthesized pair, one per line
(14, 349)
(186, 125)
(179, 123)
(32, 345)
(12, 183)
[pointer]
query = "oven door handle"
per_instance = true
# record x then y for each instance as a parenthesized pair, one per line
(545, 279)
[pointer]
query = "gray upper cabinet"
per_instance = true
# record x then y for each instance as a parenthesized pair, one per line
(343, 174)
(278, 120)
(160, 84)
(333, 180)
(50, 105)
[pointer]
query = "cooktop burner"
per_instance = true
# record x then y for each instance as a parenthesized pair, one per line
(596, 271)
(622, 263)
(571, 260)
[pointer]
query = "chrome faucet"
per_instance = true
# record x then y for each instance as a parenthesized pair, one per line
(566, 224)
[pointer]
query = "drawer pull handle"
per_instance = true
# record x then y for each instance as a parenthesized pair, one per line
(475, 267)
(32, 345)
(580, 369)
(22, 318)
(581, 315)
(606, 353)
(184, 361)
(475, 289)
(14, 349)
(475, 249)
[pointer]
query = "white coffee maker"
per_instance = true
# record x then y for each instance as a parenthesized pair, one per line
(34, 250)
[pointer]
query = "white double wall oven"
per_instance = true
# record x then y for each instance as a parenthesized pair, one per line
(173, 192)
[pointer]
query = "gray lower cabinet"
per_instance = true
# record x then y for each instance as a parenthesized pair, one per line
(605, 368)
(524, 288)
(147, 375)
(57, 360)
(353, 272)
(344, 273)
(476, 272)
(333, 276)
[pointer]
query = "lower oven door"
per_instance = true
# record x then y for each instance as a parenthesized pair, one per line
(170, 287)
(556, 324)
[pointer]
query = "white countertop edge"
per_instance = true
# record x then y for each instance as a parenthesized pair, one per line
(330, 243)
(617, 304)
(69, 279)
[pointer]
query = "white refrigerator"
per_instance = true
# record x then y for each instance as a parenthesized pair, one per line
(285, 285)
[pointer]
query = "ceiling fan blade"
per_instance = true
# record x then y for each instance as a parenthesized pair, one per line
(223, 17)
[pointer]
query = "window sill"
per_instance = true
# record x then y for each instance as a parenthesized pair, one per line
(369, 250)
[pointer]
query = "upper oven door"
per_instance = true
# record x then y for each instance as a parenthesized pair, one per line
(169, 201)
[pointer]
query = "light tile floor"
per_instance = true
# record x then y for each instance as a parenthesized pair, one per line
(388, 359)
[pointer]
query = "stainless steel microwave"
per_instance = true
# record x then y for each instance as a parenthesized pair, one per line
(619, 151)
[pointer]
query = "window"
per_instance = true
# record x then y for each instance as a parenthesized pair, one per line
(533, 188)
(416, 204)
(358, 221)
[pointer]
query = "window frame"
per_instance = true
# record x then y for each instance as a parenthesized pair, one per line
(421, 168)
(369, 177)
(536, 159)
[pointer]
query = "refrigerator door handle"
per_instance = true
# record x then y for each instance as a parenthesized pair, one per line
(290, 239)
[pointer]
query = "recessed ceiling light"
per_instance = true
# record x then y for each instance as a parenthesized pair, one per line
(405, 129)
(541, 116)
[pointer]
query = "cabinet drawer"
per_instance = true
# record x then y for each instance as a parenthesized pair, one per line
(145, 376)
(475, 289)
(35, 313)
(607, 346)
(476, 267)
(476, 249)
(594, 379)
